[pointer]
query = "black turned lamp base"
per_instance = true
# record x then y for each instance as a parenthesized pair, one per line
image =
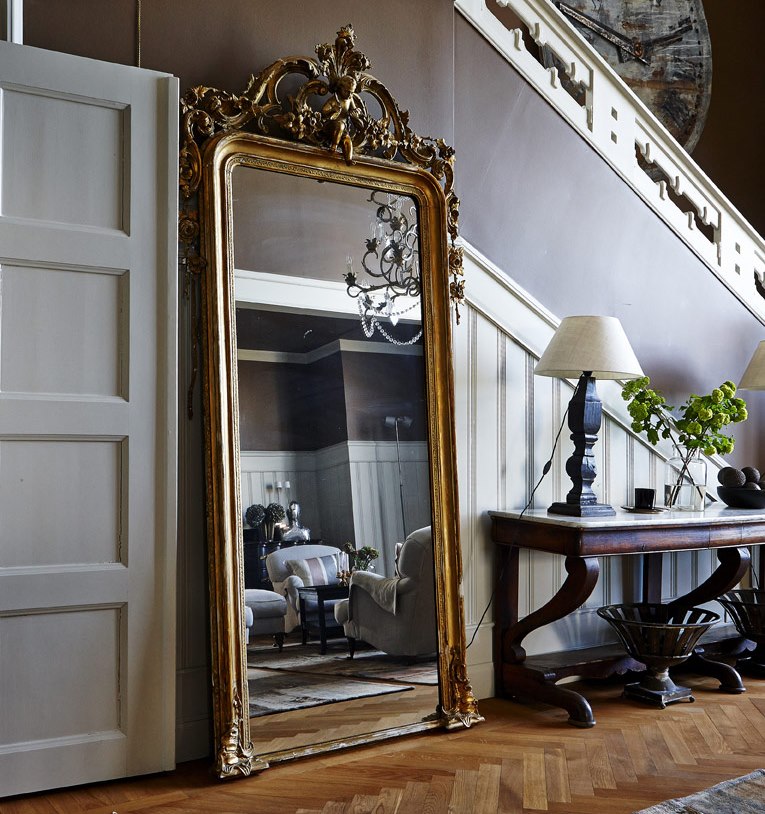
(578, 510)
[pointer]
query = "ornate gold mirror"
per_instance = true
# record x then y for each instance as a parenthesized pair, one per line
(325, 250)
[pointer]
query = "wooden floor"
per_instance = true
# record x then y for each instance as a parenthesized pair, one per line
(522, 759)
(346, 719)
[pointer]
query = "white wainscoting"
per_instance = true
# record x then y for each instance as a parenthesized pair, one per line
(506, 424)
(261, 471)
(361, 474)
(335, 494)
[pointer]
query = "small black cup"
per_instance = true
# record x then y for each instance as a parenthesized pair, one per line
(644, 498)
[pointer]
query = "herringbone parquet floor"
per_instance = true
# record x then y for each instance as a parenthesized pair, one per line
(521, 760)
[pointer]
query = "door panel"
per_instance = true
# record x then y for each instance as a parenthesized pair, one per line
(51, 316)
(55, 530)
(45, 180)
(87, 419)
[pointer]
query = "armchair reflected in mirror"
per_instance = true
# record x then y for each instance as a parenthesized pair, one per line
(324, 270)
(395, 615)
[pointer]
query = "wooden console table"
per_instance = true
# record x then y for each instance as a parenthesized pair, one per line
(581, 541)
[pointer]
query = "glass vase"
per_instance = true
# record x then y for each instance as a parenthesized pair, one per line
(685, 483)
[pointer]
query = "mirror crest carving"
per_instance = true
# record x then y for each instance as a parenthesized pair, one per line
(324, 131)
(343, 122)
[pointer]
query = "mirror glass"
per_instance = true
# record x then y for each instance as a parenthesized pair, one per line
(334, 460)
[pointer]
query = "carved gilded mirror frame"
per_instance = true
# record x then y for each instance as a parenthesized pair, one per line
(337, 141)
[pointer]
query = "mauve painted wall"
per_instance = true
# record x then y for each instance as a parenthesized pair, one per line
(545, 208)
(221, 43)
(409, 45)
(342, 397)
(730, 148)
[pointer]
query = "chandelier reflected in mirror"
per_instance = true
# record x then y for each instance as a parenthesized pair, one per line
(391, 287)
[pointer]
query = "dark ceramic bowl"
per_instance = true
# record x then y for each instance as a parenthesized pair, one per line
(740, 498)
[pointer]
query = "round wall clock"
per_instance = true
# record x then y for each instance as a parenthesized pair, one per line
(660, 48)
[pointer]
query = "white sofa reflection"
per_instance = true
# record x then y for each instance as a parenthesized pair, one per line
(286, 582)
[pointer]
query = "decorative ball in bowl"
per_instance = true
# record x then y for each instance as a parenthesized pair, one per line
(741, 488)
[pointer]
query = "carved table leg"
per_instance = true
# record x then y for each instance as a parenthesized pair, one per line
(507, 602)
(518, 679)
(525, 682)
(734, 563)
(582, 577)
(652, 570)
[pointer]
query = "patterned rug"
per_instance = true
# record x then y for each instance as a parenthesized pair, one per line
(373, 664)
(281, 691)
(743, 795)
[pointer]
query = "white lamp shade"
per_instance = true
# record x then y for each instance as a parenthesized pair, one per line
(589, 343)
(754, 375)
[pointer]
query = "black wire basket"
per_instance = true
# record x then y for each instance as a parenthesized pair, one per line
(747, 609)
(660, 637)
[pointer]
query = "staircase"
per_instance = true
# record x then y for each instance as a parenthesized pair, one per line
(629, 137)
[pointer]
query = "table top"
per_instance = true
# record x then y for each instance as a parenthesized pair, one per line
(629, 532)
(327, 591)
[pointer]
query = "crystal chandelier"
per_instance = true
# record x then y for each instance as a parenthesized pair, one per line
(392, 267)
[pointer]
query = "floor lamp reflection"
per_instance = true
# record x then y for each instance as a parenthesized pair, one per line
(393, 422)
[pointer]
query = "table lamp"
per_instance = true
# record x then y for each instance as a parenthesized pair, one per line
(590, 348)
(754, 375)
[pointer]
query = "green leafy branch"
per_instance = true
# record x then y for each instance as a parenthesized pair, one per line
(699, 422)
(360, 560)
(697, 426)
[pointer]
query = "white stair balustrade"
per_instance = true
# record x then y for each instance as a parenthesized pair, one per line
(630, 138)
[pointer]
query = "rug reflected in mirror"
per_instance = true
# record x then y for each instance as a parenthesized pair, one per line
(281, 691)
(742, 795)
(367, 663)
(299, 676)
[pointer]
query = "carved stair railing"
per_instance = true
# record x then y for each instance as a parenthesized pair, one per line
(630, 138)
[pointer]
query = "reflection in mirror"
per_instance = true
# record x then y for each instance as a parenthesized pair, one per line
(335, 486)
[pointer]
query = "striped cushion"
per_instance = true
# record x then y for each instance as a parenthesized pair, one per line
(316, 570)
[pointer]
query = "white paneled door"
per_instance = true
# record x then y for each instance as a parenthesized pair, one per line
(88, 289)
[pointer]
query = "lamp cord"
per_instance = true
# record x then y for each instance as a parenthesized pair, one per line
(545, 469)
